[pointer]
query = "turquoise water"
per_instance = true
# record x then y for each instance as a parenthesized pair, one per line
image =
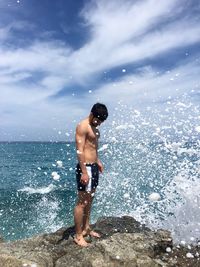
(32, 201)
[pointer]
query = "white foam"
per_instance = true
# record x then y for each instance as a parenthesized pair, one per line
(154, 197)
(59, 163)
(189, 255)
(188, 151)
(160, 157)
(113, 139)
(55, 176)
(47, 218)
(126, 195)
(104, 147)
(41, 190)
(197, 128)
(125, 127)
(168, 249)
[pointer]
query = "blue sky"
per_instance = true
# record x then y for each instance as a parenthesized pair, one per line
(59, 57)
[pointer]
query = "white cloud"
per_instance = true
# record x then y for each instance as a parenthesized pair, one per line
(122, 32)
(7, 31)
(125, 33)
(150, 86)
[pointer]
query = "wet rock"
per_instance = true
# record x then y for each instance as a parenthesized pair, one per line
(124, 242)
(1, 239)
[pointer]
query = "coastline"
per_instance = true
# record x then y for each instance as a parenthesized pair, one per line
(123, 242)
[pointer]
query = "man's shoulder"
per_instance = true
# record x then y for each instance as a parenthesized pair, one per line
(82, 125)
(83, 122)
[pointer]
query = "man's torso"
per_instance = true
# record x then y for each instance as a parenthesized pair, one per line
(91, 142)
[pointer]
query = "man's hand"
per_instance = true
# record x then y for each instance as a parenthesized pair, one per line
(100, 166)
(84, 179)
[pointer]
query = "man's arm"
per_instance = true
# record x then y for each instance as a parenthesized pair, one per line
(100, 165)
(81, 133)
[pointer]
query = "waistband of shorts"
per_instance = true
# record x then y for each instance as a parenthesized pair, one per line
(89, 164)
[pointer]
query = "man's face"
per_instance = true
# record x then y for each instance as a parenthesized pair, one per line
(96, 122)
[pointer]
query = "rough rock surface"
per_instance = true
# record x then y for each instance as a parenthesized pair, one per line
(123, 242)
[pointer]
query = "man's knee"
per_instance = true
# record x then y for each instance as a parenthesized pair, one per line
(82, 203)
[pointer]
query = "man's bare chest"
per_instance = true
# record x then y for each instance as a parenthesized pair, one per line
(93, 135)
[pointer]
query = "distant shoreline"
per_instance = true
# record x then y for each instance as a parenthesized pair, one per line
(13, 142)
(102, 141)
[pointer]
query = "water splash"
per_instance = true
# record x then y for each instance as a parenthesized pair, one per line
(41, 190)
(156, 150)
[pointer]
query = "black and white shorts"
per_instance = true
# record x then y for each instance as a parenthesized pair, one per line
(93, 173)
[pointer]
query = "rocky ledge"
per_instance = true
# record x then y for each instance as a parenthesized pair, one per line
(124, 242)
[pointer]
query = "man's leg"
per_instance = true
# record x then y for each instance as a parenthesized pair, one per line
(78, 217)
(86, 218)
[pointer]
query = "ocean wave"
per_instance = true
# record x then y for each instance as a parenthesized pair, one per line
(41, 190)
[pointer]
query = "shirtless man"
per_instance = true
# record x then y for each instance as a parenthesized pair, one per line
(87, 170)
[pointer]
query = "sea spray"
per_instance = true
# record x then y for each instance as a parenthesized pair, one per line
(144, 150)
(156, 150)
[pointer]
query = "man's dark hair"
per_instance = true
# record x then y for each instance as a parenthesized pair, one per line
(99, 111)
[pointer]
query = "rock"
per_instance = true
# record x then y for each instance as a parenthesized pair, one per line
(1, 239)
(124, 242)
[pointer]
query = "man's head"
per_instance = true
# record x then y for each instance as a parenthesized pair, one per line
(99, 114)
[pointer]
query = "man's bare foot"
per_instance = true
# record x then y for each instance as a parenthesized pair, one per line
(91, 233)
(94, 234)
(79, 240)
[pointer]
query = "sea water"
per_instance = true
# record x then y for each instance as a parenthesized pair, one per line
(152, 172)
(31, 200)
